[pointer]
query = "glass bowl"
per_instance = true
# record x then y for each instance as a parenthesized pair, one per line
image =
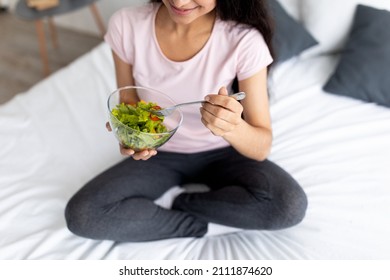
(135, 139)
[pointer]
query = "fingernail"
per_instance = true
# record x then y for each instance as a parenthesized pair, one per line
(207, 98)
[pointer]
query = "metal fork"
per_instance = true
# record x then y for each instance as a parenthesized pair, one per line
(169, 110)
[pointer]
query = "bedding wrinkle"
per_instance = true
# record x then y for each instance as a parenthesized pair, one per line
(284, 246)
(221, 245)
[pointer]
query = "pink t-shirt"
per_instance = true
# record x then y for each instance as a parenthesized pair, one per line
(232, 50)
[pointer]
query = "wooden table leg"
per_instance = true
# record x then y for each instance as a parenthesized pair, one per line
(98, 18)
(42, 46)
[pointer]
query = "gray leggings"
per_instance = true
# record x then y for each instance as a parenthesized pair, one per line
(118, 204)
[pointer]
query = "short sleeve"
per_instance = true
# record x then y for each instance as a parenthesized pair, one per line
(253, 55)
(118, 36)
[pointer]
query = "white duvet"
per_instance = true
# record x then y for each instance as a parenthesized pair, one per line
(53, 139)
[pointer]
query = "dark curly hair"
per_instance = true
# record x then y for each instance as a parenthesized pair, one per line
(250, 12)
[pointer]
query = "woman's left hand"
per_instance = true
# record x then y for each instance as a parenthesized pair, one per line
(221, 114)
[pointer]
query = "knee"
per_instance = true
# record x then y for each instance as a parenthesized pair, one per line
(282, 209)
(297, 208)
(292, 207)
(76, 218)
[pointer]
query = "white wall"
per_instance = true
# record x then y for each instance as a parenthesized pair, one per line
(82, 20)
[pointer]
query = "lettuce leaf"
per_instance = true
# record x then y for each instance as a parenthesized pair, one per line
(139, 118)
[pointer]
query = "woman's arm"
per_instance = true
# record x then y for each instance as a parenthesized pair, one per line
(124, 77)
(123, 72)
(251, 135)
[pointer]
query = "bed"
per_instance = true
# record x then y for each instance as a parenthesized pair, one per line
(53, 139)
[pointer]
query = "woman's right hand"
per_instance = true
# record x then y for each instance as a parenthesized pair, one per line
(142, 155)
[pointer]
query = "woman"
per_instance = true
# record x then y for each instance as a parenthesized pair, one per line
(193, 49)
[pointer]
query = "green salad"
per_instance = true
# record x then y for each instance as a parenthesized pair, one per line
(139, 118)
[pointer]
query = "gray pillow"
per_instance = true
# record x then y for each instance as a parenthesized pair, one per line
(290, 37)
(364, 68)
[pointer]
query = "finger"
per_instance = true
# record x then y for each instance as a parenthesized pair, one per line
(214, 130)
(144, 155)
(223, 113)
(108, 126)
(126, 151)
(223, 91)
(216, 123)
(216, 112)
(223, 101)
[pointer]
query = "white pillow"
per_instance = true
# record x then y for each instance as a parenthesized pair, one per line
(292, 7)
(330, 21)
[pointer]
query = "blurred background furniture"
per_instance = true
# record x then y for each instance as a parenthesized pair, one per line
(3, 5)
(37, 11)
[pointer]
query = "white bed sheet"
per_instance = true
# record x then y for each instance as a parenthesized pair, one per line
(53, 140)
